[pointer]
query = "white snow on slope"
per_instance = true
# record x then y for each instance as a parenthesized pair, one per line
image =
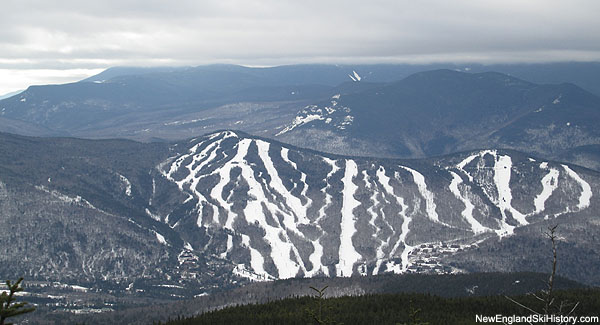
(224, 174)
(295, 205)
(427, 194)
(549, 184)
(557, 100)
(384, 180)
(328, 198)
(188, 246)
(300, 120)
(296, 208)
(502, 173)
(272, 196)
(257, 262)
(469, 159)
(241, 271)
(285, 157)
(501, 178)
(185, 122)
(153, 191)
(347, 254)
(467, 213)
(152, 215)
(229, 246)
(194, 168)
(160, 238)
(127, 184)
(277, 237)
(380, 253)
(586, 190)
(317, 254)
(354, 76)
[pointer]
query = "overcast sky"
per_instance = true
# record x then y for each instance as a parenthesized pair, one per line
(58, 41)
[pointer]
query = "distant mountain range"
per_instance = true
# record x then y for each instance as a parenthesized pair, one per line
(186, 218)
(12, 93)
(368, 110)
(443, 111)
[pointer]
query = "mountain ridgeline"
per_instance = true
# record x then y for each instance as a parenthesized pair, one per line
(227, 208)
(394, 111)
(302, 213)
(443, 111)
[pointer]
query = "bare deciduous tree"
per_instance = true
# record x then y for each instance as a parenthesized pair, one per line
(546, 296)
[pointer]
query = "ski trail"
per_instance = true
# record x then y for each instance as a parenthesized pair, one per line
(224, 173)
(285, 157)
(371, 211)
(199, 161)
(257, 262)
(549, 184)
(426, 194)
(317, 254)
(586, 190)
(384, 180)
(347, 254)
(502, 173)
(277, 237)
(467, 213)
(295, 205)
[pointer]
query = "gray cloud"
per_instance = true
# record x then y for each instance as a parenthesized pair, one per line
(70, 34)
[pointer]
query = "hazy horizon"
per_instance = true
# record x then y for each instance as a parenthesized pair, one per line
(65, 41)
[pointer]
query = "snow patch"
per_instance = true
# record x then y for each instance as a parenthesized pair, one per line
(127, 184)
(161, 238)
(298, 121)
(241, 271)
(354, 76)
(557, 100)
(229, 246)
(177, 123)
(152, 215)
(172, 286)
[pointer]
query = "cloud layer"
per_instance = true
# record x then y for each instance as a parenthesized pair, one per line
(74, 34)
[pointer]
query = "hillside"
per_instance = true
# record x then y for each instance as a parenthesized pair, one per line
(396, 111)
(168, 221)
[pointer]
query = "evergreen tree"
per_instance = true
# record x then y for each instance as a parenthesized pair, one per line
(317, 316)
(8, 306)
